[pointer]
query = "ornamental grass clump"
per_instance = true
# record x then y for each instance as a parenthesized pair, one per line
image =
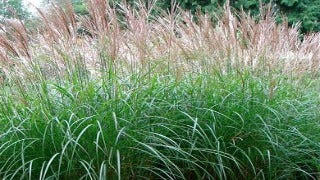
(127, 93)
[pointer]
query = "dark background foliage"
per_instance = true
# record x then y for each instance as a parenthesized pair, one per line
(7, 6)
(305, 11)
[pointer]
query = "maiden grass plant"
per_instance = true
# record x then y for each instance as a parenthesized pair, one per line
(138, 101)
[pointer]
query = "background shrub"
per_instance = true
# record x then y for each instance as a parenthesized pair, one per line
(305, 11)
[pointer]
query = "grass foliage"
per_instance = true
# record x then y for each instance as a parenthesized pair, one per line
(87, 110)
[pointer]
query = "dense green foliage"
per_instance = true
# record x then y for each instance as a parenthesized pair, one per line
(305, 11)
(10, 7)
(205, 126)
(79, 7)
